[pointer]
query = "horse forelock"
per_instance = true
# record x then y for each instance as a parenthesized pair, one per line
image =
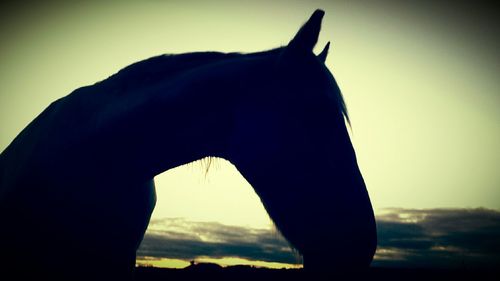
(336, 95)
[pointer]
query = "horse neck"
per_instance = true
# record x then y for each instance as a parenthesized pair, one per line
(177, 121)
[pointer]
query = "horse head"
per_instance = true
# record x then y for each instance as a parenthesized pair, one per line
(291, 143)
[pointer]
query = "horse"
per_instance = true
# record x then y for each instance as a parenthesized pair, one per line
(76, 185)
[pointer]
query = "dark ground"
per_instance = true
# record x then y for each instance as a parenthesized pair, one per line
(214, 272)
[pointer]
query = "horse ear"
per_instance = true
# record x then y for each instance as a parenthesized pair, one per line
(308, 34)
(322, 56)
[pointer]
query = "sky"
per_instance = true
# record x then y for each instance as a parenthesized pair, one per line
(420, 80)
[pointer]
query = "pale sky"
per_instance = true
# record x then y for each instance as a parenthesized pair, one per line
(420, 85)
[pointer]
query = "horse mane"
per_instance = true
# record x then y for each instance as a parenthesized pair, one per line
(169, 65)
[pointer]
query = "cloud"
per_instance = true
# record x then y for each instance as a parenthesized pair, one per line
(438, 238)
(181, 239)
(406, 238)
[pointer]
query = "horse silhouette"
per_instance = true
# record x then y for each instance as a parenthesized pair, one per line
(77, 186)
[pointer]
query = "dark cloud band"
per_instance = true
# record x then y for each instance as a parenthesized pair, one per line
(407, 238)
(439, 238)
(192, 240)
